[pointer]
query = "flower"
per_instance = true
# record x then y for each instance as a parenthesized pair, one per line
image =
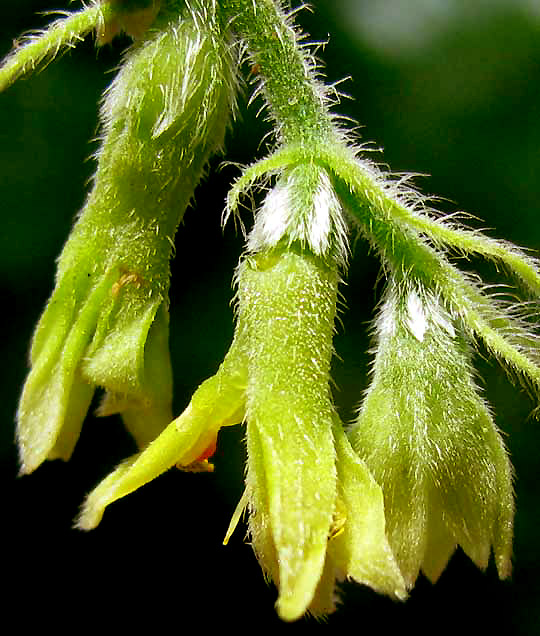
(430, 442)
(106, 324)
(316, 515)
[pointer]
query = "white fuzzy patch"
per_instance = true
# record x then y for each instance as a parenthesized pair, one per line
(284, 214)
(423, 313)
(416, 317)
(273, 219)
(324, 203)
(386, 324)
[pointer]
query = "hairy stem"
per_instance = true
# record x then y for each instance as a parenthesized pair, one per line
(405, 253)
(297, 101)
(45, 46)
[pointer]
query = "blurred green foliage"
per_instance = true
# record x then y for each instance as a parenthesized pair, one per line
(448, 88)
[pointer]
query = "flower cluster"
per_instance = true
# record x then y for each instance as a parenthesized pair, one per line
(423, 468)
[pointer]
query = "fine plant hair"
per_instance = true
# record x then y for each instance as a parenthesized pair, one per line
(423, 468)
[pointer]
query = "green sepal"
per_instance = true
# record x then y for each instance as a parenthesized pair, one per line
(360, 549)
(146, 411)
(54, 394)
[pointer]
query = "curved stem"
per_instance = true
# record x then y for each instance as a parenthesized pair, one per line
(403, 250)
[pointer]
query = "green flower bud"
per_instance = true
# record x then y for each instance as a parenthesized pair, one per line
(430, 442)
(106, 323)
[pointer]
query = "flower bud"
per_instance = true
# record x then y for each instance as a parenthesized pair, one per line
(430, 442)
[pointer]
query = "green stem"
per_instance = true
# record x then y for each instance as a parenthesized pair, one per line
(297, 101)
(405, 253)
(64, 33)
(462, 239)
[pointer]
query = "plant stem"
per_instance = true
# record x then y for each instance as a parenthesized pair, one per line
(297, 101)
(64, 33)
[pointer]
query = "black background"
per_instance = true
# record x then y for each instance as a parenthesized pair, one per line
(457, 99)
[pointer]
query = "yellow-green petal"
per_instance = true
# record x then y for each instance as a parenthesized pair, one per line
(360, 550)
(219, 401)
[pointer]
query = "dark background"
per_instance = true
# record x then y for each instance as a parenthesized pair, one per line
(446, 90)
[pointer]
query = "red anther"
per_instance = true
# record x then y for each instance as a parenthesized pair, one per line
(210, 450)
